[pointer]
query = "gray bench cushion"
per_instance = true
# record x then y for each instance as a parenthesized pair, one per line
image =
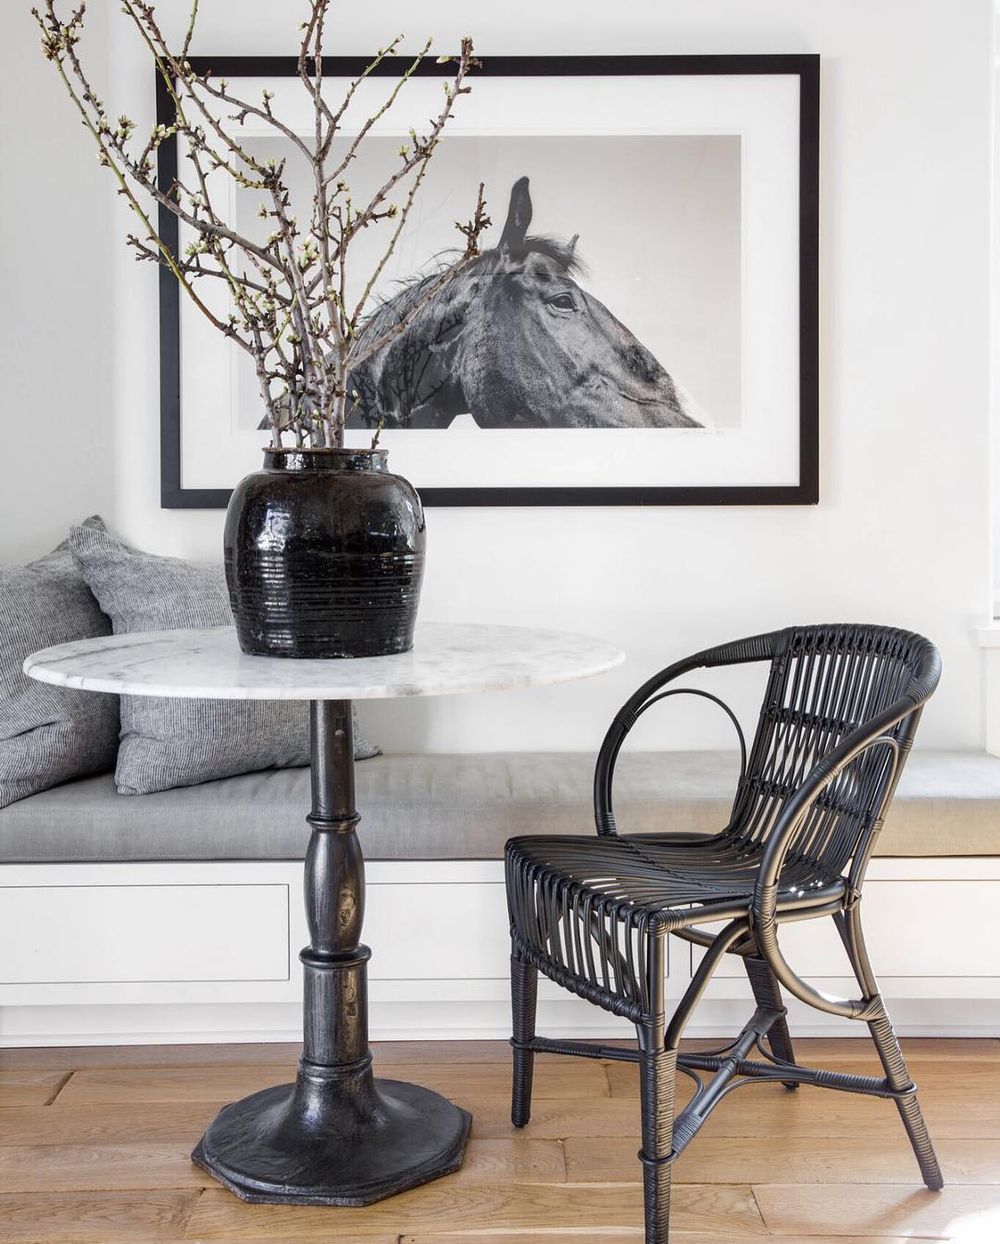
(466, 806)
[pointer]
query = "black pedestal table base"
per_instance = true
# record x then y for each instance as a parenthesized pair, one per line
(356, 1147)
(337, 1136)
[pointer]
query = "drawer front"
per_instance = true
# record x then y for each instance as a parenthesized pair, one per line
(913, 929)
(90, 934)
(437, 931)
(440, 931)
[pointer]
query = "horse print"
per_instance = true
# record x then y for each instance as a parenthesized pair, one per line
(514, 341)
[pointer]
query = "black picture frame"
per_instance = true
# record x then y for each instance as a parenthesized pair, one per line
(806, 67)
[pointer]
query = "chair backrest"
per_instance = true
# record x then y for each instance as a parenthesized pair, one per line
(827, 685)
(831, 690)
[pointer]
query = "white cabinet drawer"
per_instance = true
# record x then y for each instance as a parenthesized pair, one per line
(913, 929)
(435, 931)
(87, 934)
(441, 931)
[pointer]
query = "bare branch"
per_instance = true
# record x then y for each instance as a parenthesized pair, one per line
(472, 231)
(286, 294)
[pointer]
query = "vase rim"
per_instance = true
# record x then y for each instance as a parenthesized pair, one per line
(321, 449)
(325, 458)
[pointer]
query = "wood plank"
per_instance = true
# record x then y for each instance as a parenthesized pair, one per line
(139, 1085)
(926, 1066)
(756, 1112)
(160, 1123)
(512, 1160)
(178, 1125)
(183, 1122)
(238, 1054)
(369, 1237)
(761, 1110)
(98, 1168)
(563, 1078)
(516, 1159)
(114, 1218)
(450, 1052)
(118, 1168)
(817, 1051)
(952, 1108)
(930, 1074)
(624, 1234)
(860, 1159)
(453, 1204)
(934, 1077)
(967, 1214)
(29, 1088)
(80, 1057)
(553, 1118)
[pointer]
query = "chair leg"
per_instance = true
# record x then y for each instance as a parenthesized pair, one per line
(657, 1073)
(890, 1055)
(767, 992)
(524, 998)
(898, 1076)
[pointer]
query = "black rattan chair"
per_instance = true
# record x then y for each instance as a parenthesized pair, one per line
(837, 722)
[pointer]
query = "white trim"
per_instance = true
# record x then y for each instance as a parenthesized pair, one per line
(988, 635)
(431, 1020)
(989, 638)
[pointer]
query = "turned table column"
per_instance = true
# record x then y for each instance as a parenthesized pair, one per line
(337, 1136)
(335, 1031)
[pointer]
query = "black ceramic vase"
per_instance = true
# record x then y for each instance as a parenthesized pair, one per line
(324, 555)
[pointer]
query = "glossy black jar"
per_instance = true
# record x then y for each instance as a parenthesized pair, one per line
(324, 555)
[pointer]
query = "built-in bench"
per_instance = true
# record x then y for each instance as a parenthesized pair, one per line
(438, 807)
(212, 876)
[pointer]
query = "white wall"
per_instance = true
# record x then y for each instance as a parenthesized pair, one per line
(995, 311)
(55, 300)
(902, 532)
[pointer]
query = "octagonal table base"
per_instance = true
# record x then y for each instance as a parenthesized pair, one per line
(337, 1136)
(334, 1143)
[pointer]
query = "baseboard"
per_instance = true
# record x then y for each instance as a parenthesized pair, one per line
(428, 1021)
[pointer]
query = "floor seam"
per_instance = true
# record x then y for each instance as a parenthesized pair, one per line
(195, 1202)
(760, 1212)
(59, 1088)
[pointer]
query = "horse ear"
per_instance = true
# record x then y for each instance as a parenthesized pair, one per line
(518, 216)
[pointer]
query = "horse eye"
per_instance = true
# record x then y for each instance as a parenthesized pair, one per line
(563, 302)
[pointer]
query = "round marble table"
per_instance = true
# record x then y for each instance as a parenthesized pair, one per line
(337, 1136)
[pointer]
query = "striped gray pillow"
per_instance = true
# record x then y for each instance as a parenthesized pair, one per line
(177, 742)
(49, 734)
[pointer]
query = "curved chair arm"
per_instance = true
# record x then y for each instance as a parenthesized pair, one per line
(757, 648)
(765, 899)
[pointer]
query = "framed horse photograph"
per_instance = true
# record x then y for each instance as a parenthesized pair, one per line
(638, 328)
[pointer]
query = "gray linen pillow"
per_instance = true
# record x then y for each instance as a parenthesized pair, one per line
(177, 742)
(49, 734)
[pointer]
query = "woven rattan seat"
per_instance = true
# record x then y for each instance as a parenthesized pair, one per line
(681, 884)
(836, 724)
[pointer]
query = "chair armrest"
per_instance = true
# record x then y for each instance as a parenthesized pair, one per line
(739, 652)
(763, 911)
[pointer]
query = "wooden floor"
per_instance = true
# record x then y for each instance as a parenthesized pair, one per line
(94, 1148)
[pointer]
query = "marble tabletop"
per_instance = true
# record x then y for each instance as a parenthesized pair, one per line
(446, 659)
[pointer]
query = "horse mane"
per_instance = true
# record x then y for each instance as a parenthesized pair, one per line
(561, 252)
(409, 289)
